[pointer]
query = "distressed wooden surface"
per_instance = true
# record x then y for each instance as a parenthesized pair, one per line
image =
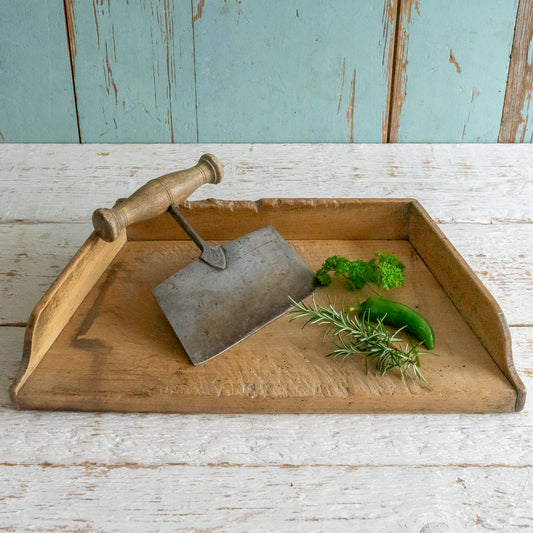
(270, 498)
(231, 71)
(240, 71)
(303, 72)
(117, 353)
(451, 69)
(133, 67)
(36, 95)
(440, 469)
(454, 183)
(376, 440)
(33, 255)
(261, 472)
(517, 124)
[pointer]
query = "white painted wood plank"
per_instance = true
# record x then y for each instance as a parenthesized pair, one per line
(455, 183)
(502, 256)
(225, 498)
(33, 255)
(31, 258)
(261, 472)
(62, 438)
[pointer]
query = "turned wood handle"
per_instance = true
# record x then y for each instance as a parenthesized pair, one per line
(155, 197)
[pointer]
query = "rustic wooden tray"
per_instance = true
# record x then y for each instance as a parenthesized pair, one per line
(98, 341)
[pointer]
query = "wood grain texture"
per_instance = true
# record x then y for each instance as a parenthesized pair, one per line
(454, 183)
(155, 197)
(334, 439)
(303, 72)
(152, 472)
(133, 70)
(32, 258)
(319, 498)
(325, 219)
(37, 96)
(445, 89)
(118, 353)
(467, 293)
(516, 124)
(33, 255)
(234, 71)
(63, 297)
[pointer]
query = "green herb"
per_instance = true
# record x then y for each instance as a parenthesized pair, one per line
(355, 335)
(384, 270)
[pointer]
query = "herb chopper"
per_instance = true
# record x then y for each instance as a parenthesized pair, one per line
(232, 290)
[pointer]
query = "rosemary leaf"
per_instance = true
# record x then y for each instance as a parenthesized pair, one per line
(356, 335)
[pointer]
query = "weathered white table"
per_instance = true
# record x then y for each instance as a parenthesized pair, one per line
(108, 472)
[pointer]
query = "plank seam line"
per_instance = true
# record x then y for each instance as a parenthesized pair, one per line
(24, 324)
(491, 222)
(194, 71)
(70, 37)
(500, 133)
(390, 103)
(440, 222)
(139, 466)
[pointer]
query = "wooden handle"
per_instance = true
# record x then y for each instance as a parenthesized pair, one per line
(155, 197)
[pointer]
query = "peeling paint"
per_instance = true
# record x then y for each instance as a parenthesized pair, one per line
(70, 21)
(342, 85)
(464, 127)
(171, 75)
(399, 84)
(453, 61)
(108, 74)
(199, 11)
(528, 87)
(515, 116)
(389, 18)
(350, 111)
(525, 120)
(114, 45)
(70, 18)
(95, 23)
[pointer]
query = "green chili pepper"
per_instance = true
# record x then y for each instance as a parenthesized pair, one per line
(398, 315)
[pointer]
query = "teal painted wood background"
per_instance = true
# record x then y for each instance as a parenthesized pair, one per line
(260, 71)
(456, 56)
(134, 71)
(291, 71)
(36, 92)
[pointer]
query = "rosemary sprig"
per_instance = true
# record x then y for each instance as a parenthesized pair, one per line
(355, 335)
